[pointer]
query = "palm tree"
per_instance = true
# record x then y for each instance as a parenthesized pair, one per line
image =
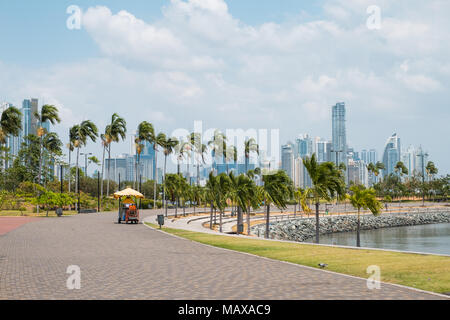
(277, 189)
(431, 169)
(217, 144)
(230, 154)
(48, 113)
(104, 140)
(115, 131)
(82, 132)
(199, 149)
(143, 134)
(327, 181)
(73, 132)
(250, 146)
(365, 199)
(53, 145)
(156, 140)
(219, 188)
(400, 169)
(10, 124)
(168, 145)
(379, 166)
(139, 147)
(210, 195)
(302, 197)
(243, 192)
(171, 185)
(371, 169)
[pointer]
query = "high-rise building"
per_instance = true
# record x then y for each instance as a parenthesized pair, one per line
(409, 160)
(421, 162)
(339, 135)
(372, 156)
(287, 159)
(29, 121)
(392, 154)
(364, 156)
(320, 148)
(304, 146)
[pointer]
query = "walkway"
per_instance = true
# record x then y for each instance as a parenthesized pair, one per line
(135, 262)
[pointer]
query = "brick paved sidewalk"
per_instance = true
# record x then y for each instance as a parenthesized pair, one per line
(8, 224)
(135, 262)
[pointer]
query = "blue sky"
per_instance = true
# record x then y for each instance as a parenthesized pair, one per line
(36, 25)
(237, 64)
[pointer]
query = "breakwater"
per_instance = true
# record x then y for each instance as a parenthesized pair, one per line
(305, 228)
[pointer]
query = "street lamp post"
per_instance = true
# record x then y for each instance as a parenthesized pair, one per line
(85, 161)
(422, 155)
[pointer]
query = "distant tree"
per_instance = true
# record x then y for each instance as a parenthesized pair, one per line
(362, 198)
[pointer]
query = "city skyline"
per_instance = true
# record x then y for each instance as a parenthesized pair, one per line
(87, 74)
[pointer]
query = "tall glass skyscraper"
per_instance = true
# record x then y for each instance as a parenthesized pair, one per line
(392, 154)
(287, 159)
(339, 135)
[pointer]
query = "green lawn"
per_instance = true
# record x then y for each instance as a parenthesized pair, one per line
(426, 272)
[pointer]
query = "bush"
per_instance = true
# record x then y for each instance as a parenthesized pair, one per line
(149, 204)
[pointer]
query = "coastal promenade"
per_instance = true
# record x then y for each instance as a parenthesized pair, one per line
(136, 262)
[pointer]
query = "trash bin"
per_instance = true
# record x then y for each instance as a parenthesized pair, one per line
(59, 212)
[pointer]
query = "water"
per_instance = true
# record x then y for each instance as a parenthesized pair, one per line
(430, 238)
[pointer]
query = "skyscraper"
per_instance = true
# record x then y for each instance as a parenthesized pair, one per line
(339, 136)
(29, 121)
(372, 156)
(392, 154)
(287, 159)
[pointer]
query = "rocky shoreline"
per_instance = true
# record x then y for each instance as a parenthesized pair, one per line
(305, 228)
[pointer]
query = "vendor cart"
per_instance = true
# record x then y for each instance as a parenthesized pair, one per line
(128, 209)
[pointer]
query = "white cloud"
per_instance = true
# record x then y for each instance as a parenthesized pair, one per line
(197, 61)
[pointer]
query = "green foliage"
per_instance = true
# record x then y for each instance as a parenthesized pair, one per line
(362, 198)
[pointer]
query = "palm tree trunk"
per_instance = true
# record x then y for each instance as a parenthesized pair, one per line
(267, 220)
(102, 176)
(77, 176)
(70, 177)
(109, 170)
(164, 184)
(188, 169)
(358, 240)
(248, 221)
(220, 221)
(155, 176)
(211, 217)
(40, 160)
(317, 222)
(176, 207)
(198, 174)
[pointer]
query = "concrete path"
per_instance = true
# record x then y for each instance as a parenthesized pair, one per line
(135, 262)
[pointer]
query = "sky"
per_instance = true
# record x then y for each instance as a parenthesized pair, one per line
(237, 64)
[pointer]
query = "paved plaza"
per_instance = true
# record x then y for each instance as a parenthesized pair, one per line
(136, 262)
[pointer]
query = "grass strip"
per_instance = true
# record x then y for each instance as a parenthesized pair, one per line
(426, 272)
